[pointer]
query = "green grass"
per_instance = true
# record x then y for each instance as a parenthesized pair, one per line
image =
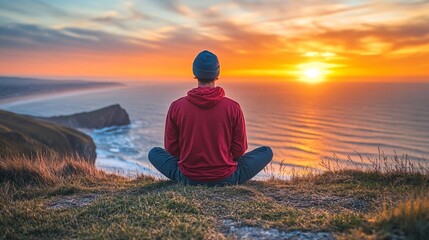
(83, 202)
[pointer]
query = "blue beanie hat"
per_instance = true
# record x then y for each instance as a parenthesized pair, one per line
(206, 66)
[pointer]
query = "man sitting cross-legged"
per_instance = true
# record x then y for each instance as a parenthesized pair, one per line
(205, 136)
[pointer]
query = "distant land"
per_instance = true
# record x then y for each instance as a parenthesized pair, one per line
(12, 87)
(113, 115)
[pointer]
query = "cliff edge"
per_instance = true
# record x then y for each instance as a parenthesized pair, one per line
(25, 136)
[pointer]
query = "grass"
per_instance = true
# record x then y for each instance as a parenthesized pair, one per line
(48, 198)
(410, 217)
(42, 169)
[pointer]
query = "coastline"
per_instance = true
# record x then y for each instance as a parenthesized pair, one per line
(47, 95)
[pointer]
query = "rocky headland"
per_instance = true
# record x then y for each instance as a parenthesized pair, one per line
(113, 115)
(31, 136)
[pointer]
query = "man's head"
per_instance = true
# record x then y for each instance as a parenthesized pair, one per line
(206, 67)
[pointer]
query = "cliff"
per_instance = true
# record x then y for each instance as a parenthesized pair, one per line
(26, 136)
(113, 115)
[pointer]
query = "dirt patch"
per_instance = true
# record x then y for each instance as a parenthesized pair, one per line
(238, 231)
(317, 199)
(325, 201)
(73, 201)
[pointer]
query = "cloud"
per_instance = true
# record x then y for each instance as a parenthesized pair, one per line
(112, 18)
(279, 10)
(36, 38)
(261, 35)
(35, 7)
(175, 6)
(135, 13)
(388, 37)
(234, 40)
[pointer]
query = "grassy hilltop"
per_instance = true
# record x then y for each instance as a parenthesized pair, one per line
(71, 199)
(25, 136)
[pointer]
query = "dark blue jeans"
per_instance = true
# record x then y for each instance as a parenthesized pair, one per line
(249, 165)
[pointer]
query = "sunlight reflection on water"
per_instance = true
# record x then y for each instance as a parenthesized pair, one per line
(301, 123)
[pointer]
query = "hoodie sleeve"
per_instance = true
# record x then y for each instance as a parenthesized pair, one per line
(171, 137)
(239, 138)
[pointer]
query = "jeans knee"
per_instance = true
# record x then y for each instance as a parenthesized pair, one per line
(153, 152)
(268, 151)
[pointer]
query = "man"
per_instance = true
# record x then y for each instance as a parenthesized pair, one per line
(205, 135)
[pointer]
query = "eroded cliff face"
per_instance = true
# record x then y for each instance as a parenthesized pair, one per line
(113, 115)
(25, 136)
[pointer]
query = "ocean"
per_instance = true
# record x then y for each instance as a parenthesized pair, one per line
(303, 123)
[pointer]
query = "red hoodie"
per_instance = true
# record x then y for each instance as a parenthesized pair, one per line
(206, 131)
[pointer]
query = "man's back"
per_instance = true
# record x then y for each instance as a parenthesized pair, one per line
(206, 131)
(205, 135)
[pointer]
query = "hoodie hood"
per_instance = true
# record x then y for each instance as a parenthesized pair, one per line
(205, 97)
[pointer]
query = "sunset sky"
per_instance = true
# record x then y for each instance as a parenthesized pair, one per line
(278, 39)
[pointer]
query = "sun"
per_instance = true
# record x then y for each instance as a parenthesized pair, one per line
(312, 73)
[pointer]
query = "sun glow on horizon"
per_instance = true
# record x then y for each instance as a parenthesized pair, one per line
(312, 72)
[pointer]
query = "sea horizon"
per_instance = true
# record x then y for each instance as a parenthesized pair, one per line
(300, 126)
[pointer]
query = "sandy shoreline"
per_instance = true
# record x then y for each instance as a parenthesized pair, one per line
(47, 95)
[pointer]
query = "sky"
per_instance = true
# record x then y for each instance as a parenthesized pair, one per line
(254, 39)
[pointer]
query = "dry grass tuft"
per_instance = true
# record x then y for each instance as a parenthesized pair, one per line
(45, 169)
(408, 218)
(398, 164)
